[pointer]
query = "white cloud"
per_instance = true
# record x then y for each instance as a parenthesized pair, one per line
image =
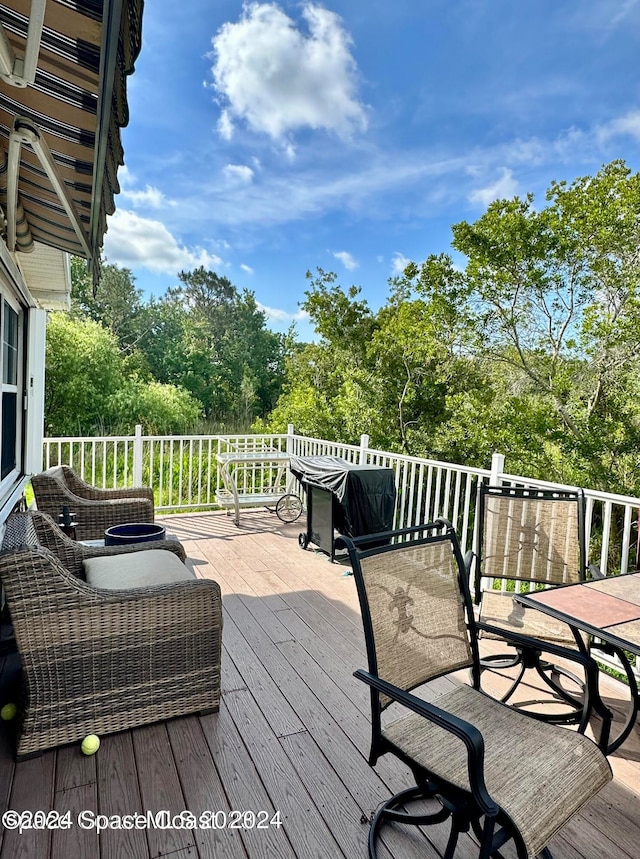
(238, 172)
(399, 263)
(246, 268)
(504, 188)
(225, 126)
(629, 124)
(134, 241)
(346, 259)
(287, 196)
(270, 74)
(282, 315)
(151, 197)
(622, 11)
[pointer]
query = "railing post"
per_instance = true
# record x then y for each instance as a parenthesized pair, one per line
(364, 446)
(137, 456)
(290, 448)
(497, 469)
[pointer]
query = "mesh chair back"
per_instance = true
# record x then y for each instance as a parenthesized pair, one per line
(20, 532)
(531, 535)
(413, 610)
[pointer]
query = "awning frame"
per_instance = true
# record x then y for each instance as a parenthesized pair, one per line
(26, 132)
(21, 71)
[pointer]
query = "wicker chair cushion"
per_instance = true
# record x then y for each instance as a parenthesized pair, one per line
(502, 610)
(137, 570)
(540, 774)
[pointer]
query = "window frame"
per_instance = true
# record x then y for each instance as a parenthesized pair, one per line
(7, 298)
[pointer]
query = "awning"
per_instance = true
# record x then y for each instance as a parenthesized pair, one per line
(66, 124)
(47, 273)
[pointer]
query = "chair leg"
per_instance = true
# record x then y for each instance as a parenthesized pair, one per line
(514, 685)
(530, 659)
(557, 689)
(501, 661)
(457, 826)
(389, 810)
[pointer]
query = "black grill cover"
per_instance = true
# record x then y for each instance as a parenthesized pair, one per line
(364, 496)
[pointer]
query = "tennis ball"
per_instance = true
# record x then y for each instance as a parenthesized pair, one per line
(90, 744)
(8, 712)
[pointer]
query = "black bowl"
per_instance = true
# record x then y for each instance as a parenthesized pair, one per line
(133, 532)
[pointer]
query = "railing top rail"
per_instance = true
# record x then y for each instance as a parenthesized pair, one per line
(480, 472)
(234, 436)
(167, 437)
(68, 439)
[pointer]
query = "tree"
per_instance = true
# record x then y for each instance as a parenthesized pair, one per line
(203, 336)
(391, 374)
(159, 409)
(117, 304)
(219, 347)
(553, 295)
(87, 389)
(83, 370)
(531, 348)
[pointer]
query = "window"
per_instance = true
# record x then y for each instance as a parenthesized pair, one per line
(9, 418)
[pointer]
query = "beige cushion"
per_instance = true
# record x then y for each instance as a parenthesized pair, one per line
(136, 570)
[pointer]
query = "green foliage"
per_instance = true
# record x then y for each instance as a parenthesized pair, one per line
(117, 304)
(160, 409)
(87, 390)
(532, 348)
(212, 340)
(83, 370)
(202, 351)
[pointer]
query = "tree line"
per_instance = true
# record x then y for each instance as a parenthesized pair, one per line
(527, 341)
(525, 338)
(198, 358)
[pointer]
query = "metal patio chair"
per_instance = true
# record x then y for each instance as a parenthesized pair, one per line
(533, 537)
(96, 509)
(476, 760)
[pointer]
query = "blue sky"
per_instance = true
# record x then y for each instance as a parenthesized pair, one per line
(267, 139)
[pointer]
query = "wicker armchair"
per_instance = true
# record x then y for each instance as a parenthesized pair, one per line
(100, 660)
(36, 530)
(95, 509)
(482, 764)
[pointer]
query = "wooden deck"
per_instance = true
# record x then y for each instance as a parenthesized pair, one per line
(291, 736)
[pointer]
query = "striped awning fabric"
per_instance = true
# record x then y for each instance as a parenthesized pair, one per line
(78, 103)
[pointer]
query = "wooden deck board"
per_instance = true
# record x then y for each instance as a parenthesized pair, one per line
(119, 794)
(292, 734)
(243, 786)
(160, 789)
(203, 789)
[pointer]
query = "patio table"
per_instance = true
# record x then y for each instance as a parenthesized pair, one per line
(609, 610)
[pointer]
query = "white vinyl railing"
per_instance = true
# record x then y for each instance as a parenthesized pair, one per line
(184, 474)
